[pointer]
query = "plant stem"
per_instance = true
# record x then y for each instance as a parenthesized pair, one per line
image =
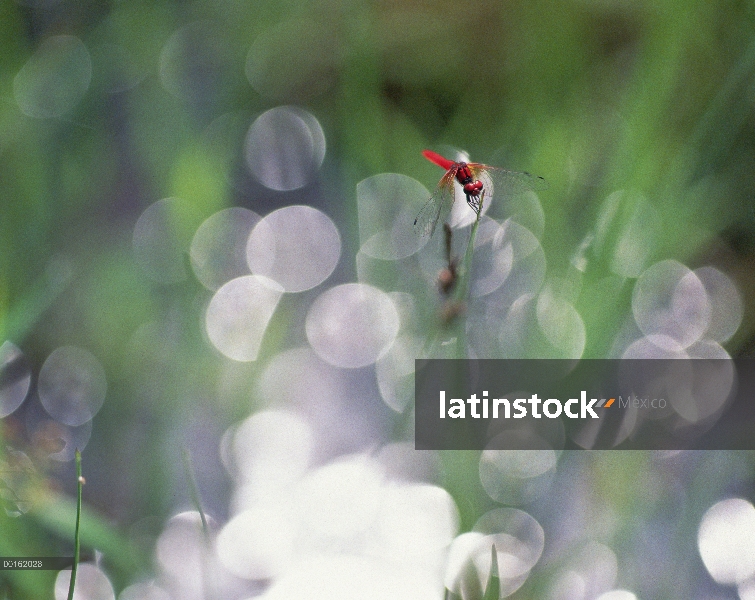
(194, 492)
(462, 289)
(461, 294)
(453, 321)
(76, 541)
(196, 500)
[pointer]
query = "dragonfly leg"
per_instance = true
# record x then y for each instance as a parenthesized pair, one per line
(474, 202)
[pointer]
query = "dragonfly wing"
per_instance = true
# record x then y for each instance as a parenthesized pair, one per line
(507, 183)
(437, 207)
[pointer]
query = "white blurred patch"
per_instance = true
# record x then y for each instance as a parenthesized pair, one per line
(352, 325)
(518, 540)
(726, 540)
(72, 385)
(561, 325)
(15, 378)
(415, 522)
(91, 584)
(218, 249)
(387, 205)
(726, 304)
(339, 502)
(670, 300)
(617, 595)
(285, 147)
(258, 543)
(270, 451)
(144, 591)
(238, 314)
(182, 551)
(351, 577)
(297, 246)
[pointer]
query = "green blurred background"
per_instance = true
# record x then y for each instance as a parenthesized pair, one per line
(108, 107)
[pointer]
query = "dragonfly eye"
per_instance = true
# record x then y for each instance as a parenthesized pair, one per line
(470, 189)
(477, 185)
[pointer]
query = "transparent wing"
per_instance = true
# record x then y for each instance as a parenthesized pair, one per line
(507, 183)
(437, 207)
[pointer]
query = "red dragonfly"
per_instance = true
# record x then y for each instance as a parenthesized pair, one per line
(504, 183)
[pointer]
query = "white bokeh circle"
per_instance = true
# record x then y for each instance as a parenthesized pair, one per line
(297, 246)
(352, 325)
(238, 314)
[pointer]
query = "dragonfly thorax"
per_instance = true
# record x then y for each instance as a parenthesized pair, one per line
(467, 181)
(463, 173)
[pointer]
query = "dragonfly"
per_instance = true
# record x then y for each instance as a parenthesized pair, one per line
(469, 175)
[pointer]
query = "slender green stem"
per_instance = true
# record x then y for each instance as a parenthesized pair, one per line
(462, 289)
(493, 587)
(197, 502)
(76, 541)
(461, 293)
(194, 492)
(456, 303)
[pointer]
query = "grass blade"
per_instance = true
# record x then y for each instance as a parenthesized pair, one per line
(76, 543)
